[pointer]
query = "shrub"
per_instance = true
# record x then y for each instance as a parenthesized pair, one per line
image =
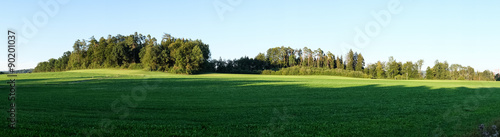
(266, 72)
(135, 66)
(124, 66)
(297, 70)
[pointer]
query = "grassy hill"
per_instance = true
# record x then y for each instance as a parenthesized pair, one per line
(133, 102)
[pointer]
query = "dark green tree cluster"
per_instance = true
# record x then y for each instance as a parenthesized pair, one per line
(497, 76)
(135, 51)
(244, 65)
(284, 57)
(53, 65)
(308, 62)
(440, 70)
(299, 70)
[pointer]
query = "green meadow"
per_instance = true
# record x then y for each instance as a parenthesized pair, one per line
(112, 102)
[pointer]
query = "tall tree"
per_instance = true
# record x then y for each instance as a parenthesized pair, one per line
(419, 64)
(410, 70)
(261, 58)
(393, 68)
(350, 60)
(330, 61)
(309, 56)
(429, 73)
(299, 57)
(291, 60)
(340, 63)
(149, 55)
(360, 62)
(196, 60)
(380, 70)
(319, 57)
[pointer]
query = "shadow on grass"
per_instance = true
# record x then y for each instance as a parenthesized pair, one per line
(228, 107)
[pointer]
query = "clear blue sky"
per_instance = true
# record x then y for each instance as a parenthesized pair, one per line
(458, 31)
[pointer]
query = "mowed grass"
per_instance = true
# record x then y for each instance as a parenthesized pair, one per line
(139, 103)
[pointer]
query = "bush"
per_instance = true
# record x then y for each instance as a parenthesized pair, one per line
(135, 66)
(266, 72)
(124, 66)
(399, 77)
(297, 70)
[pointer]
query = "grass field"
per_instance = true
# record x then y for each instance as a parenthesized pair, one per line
(140, 103)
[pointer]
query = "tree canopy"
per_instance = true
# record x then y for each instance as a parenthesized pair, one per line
(135, 51)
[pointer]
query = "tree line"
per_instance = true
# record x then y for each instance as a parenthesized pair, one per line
(443, 71)
(287, 61)
(135, 51)
(187, 56)
(284, 57)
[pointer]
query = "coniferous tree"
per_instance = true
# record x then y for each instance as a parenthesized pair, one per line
(350, 60)
(360, 62)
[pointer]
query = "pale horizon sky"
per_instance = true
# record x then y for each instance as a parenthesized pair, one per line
(462, 32)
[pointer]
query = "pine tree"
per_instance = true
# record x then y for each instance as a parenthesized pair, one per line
(350, 60)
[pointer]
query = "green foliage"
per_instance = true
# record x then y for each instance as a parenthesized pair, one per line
(188, 56)
(196, 59)
(459, 72)
(360, 62)
(281, 58)
(429, 73)
(350, 60)
(441, 70)
(410, 70)
(340, 63)
(261, 57)
(330, 61)
(244, 65)
(393, 68)
(53, 65)
(149, 54)
(319, 58)
(135, 66)
(316, 71)
(175, 55)
(486, 76)
(380, 70)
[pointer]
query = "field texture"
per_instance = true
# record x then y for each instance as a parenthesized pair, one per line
(140, 103)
